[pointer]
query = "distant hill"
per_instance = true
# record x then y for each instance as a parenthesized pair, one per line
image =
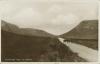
(24, 31)
(9, 27)
(34, 48)
(35, 32)
(86, 33)
(87, 29)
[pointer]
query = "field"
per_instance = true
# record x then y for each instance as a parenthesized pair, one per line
(22, 48)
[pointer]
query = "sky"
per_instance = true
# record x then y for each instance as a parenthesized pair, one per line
(53, 16)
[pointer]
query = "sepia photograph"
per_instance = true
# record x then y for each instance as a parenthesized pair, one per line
(49, 30)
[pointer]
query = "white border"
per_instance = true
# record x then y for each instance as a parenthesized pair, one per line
(58, 62)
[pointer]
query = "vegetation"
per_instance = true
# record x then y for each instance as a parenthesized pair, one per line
(15, 46)
(86, 33)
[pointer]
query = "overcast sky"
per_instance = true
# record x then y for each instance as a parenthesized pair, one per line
(53, 16)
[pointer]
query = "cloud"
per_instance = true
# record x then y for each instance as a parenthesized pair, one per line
(54, 9)
(27, 17)
(65, 19)
(5, 9)
(62, 23)
(54, 16)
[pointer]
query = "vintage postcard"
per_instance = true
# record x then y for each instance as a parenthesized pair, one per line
(49, 30)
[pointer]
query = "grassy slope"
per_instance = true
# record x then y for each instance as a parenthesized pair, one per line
(24, 31)
(15, 46)
(86, 33)
(85, 30)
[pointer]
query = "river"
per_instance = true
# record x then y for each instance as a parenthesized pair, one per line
(84, 52)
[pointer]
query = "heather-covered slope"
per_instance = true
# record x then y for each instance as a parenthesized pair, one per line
(33, 48)
(85, 30)
(86, 33)
(24, 31)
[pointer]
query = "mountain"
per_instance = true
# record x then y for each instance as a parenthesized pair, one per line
(87, 29)
(24, 31)
(23, 48)
(9, 27)
(35, 32)
(86, 33)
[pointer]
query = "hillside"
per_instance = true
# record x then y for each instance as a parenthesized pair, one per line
(85, 30)
(9, 27)
(33, 48)
(24, 31)
(86, 33)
